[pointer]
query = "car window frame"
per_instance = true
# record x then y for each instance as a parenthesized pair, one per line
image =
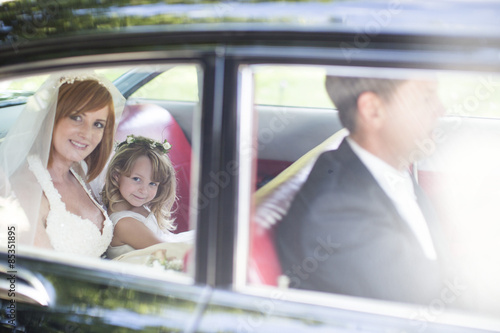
(363, 59)
(129, 59)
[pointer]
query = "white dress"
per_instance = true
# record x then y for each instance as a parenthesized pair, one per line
(69, 232)
(150, 222)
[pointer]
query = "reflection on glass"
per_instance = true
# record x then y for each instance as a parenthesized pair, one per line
(390, 195)
(64, 173)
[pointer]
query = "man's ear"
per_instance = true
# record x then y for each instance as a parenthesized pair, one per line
(370, 109)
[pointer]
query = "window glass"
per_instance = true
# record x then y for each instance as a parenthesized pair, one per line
(150, 196)
(179, 83)
(405, 210)
(471, 95)
(16, 91)
(300, 86)
(291, 86)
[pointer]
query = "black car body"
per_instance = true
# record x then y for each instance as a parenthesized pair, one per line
(226, 44)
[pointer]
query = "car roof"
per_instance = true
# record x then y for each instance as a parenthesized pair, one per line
(31, 21)
(38, 31)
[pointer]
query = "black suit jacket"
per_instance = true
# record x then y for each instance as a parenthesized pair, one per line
(344, 235)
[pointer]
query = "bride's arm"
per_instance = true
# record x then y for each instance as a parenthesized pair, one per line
(41, 237)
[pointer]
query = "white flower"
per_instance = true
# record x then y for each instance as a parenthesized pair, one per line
(152, 145)
(167, 146)
(130, 139)
(157, 264)
(174, 264)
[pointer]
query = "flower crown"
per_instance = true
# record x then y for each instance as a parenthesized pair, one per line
(70, 78)
(131, 139)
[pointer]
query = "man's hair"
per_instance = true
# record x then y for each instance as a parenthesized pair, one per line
(88, 96)
(345, 91)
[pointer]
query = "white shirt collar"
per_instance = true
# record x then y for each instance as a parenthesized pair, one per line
(398, 186)
(392, 181)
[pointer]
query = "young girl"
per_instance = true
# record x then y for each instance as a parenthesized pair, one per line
(139, 192)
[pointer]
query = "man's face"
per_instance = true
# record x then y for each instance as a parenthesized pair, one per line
(412, 113)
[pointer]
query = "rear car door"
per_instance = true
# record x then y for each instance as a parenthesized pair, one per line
(279, 140)
(42, 290)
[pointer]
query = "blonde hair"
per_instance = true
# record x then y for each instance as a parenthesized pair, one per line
(88, 96)
(163, 172)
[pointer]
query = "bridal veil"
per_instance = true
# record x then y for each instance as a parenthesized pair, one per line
(31, 134)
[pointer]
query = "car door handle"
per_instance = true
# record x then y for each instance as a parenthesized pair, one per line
(24, 287)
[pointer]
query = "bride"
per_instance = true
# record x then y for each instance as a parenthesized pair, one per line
(60, 142)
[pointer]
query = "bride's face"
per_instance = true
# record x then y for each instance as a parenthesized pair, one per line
(76, 136)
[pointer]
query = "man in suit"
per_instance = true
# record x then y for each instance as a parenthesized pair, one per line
(359, 225)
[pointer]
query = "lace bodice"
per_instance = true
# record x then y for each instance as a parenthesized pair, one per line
(150, 222)
(69, 232)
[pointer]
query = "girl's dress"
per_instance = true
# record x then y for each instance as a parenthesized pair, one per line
(68, 232)
(150, 222)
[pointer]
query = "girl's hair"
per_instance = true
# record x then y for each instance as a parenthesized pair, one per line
(163, 172)
(88, 96)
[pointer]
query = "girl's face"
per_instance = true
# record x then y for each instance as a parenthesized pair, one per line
(76, 136)
(139, 188)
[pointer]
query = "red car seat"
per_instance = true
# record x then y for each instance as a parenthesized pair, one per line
(153, 121)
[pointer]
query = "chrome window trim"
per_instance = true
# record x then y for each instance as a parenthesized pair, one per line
(196, 140)
(96, 264)
(419, 316)
(98, 61)
(245, 144)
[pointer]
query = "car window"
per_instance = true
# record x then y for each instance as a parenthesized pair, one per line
(166, 145)
(474, 95)
(179, 83)
(16, 91)
(291, 86)
(413, 220)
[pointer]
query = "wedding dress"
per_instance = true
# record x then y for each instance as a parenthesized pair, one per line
(68, 232)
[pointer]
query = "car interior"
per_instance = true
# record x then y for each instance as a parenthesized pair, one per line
(289, 139)
(153, 121)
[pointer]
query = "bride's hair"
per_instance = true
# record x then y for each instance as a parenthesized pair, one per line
(163, 172)
(88, 96)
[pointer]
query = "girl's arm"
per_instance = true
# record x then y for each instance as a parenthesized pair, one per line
(134, 233)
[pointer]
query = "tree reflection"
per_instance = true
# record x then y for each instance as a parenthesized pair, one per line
(26, 20)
